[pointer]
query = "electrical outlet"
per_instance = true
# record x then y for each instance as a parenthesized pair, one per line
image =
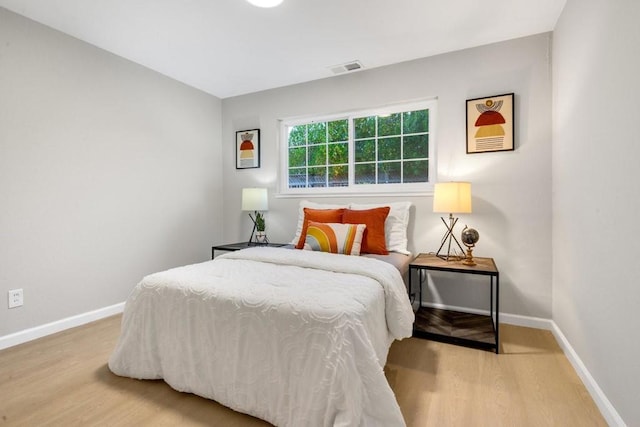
(16, 298)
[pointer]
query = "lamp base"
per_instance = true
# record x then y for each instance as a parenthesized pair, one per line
(447, 238)
(261, 238)
(450, 257)
(257, 237)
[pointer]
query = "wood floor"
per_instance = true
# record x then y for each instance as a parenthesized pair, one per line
(63, 380)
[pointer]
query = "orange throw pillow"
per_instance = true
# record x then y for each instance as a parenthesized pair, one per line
(373, 241)
(318, 215)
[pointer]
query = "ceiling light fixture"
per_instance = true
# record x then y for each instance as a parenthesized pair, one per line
(265, 3)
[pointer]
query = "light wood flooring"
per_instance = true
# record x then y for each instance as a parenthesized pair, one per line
(63, 380)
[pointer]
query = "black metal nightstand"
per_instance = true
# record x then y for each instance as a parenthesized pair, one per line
(455, 327)
(242, 245)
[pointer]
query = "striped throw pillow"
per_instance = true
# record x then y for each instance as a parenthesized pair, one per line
(334, 238)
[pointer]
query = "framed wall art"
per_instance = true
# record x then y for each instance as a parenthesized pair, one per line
(248, 149)
(490, 124)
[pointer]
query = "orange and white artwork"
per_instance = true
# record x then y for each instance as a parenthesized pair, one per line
(248, 149)
(490, 124)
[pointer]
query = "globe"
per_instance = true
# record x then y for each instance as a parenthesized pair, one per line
(470, 236)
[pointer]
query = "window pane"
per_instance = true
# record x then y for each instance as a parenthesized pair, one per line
(298, 135)
(389, 148)
(297, 156)
(317, 132)
(339, 130)
(317, 155)
(338, 176)
(416, 171)
(365, 173)
(416, 147)
(369, 147)
(318, 177)
(297, 178)
(389, 173)
(365, 127)
(338, 153)
(389, 125)
(416, 121)
(366, 150)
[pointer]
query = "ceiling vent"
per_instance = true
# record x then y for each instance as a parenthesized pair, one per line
(346, 68)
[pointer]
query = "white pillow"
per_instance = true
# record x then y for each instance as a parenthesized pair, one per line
(311, 205)
(395, 226)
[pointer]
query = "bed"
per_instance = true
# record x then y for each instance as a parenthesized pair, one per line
(294, 337)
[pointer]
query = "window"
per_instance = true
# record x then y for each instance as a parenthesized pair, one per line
(386, 150)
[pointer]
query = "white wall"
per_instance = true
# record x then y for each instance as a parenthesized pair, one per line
(596, 197)
(511, 190)
(108, 172)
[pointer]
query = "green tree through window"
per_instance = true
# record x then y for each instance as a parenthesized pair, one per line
(360, 150)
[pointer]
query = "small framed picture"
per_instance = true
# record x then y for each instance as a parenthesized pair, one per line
(248, 149)
(490, 124)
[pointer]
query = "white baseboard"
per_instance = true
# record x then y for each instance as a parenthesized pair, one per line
(510, 319)
(455, 308)
(59, 326)
(606, 408)
(526, 321)
(604, 405)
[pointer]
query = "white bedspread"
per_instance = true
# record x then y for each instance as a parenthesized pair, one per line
(297, 338)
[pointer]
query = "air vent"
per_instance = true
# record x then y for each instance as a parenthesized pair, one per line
(346, 68)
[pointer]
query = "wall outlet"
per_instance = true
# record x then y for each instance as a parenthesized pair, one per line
(16, 298)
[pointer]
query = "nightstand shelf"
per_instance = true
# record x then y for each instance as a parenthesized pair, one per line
(455, 327)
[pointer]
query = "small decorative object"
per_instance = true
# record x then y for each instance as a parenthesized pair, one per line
(261, 235)
(452, 197)
(490, 124)
(256, 200)
(469, 237)
(248, 149)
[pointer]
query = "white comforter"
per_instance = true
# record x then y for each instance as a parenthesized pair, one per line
(297, 338)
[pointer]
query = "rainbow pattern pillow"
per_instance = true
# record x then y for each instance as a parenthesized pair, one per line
(334, 238)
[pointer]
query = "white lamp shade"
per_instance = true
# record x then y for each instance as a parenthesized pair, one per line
(452, 197)
(255, 199)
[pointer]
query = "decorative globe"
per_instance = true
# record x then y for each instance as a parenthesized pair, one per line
(470, 236)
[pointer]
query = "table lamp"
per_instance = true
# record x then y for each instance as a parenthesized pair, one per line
(255, 199)
(451, 197)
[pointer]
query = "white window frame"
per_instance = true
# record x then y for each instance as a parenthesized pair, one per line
(399, 189)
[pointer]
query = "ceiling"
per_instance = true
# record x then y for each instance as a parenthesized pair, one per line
(229, 48)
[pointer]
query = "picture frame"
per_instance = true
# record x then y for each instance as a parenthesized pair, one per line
(490, 124)
(248, 149)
